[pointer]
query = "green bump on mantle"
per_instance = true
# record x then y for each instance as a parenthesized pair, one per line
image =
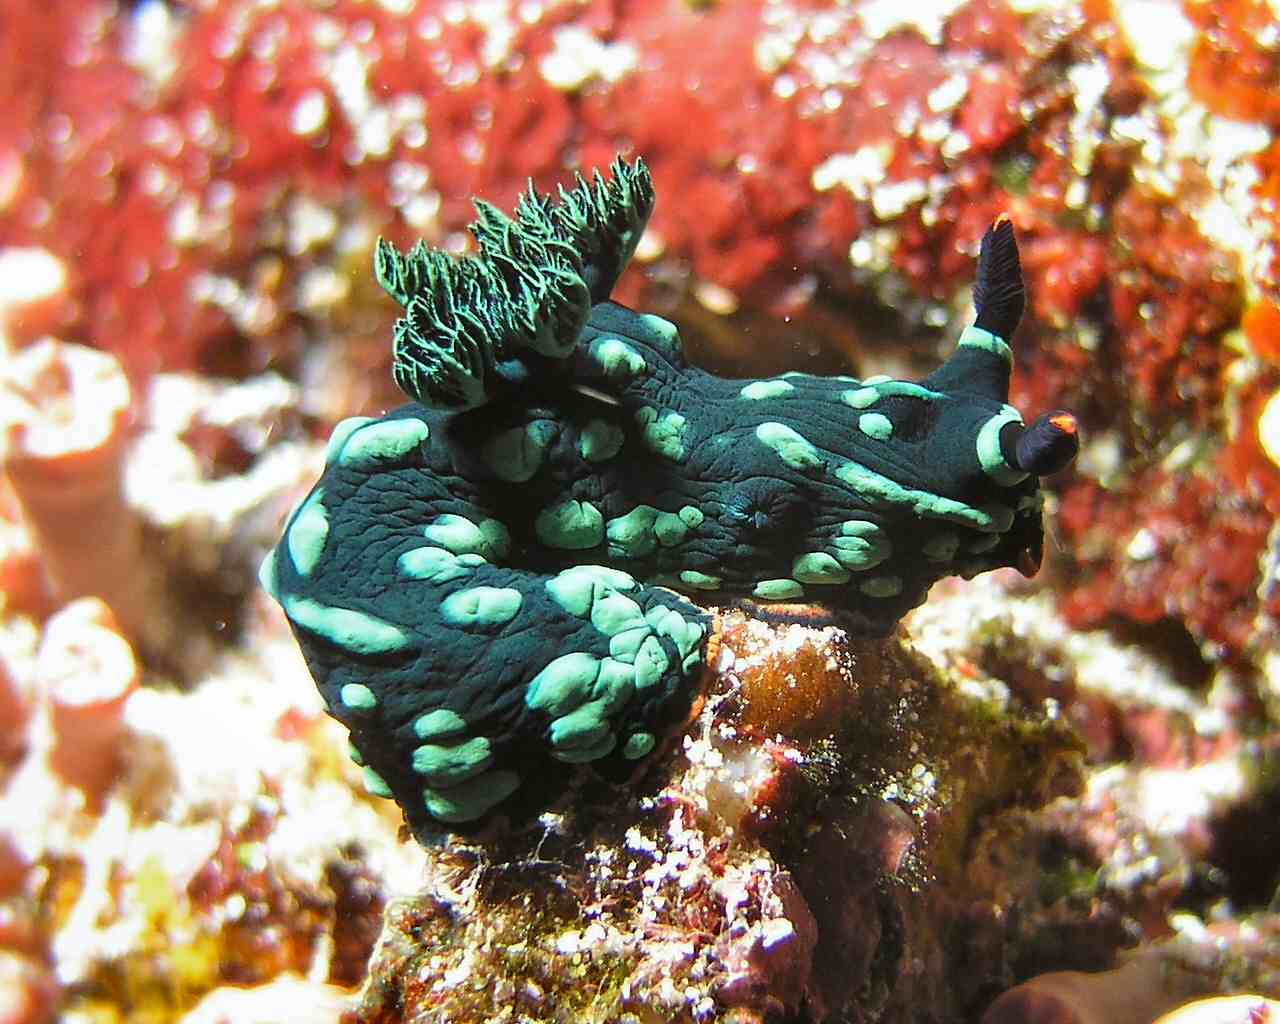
(860, 398)
(615, 613)
(436, 564)
(444, 766)
(941, 548)
(571, 525)
(341, 432)
(861, 545)
(564, 684)
(870, 485)
(439, 724)
(618, 359)
(631, 536)
(692, 516)
(663, 433)
(876, 425)
(267, 575)
(358, 697)
(651, 662)
(778, 590)
(481, 606)
(375, 784)
(600, 440)
(515, 455)
(990, 455)
(976, 337)
(584, 755)
(638, 745)
(356, 631)
(700, 580)
(308, 533)
(577, 588)
(472, 799)
(383, 441)
(790, 447)
(461, 536)
(661, 330)
(758, 390)
(819, 567)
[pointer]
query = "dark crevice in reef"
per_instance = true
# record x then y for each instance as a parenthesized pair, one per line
(1170, 642)
(1246, 845)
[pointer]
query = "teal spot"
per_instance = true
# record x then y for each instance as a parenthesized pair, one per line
(879, 378)
(690, 660)
(515, 455)
(616, 358)
(699, 580)
(356, 631)
(353, 752)
(308, 533)
(651, 662)
(582, 728)
(615, 613)
(663, 433)
(375, 784)
(984, 544)
(436, 565)
(819, 567)
(461, 536)
(669, 528)
(383, 441)
(571, 525)
(576, 589)
(778, 590)
(600, 440)
(691, 516)
(625, 645)
(990, 456)
(481, 606)
(439, 724)
(584, 755)
(631, 536)
(638, 744)
(662, 331)
(358, 697)
(976, 337)
(443, 766)
(790, 447)
(860, 398)
(471, 799)
(267, 574)
(861, 545)
(340, 434)
(870, 485)
(762, 389)
(941, 548)
(887, 387)
(564, 684)
(876, 425)
(670, 623)
(881, 586)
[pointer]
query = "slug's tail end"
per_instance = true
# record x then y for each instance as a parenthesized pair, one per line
(998, 293)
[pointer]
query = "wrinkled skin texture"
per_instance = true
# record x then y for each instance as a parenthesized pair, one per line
(487, 595)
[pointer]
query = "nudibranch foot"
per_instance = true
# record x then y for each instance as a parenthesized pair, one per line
(494, 586)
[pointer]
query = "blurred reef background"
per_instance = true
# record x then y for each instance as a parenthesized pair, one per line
(1057, 797)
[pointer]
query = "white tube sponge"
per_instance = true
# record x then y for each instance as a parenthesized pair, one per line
(66, 413)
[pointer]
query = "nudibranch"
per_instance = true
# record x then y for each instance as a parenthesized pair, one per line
(492, 584)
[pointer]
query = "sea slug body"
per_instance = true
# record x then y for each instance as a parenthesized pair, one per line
(491, 584)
